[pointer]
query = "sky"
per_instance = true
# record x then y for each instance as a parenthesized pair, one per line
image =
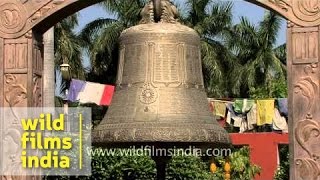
(241, 8)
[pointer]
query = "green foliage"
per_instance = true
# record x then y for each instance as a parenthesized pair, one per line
(101, 36)
(235, 58)
(68, 46)
(58, 101)
(281, 53)
(212, 20)
(121, 167)
(283, 172)
(241, 167)
(188, 167)
(191, 167)
(275, 88)
(258, 63)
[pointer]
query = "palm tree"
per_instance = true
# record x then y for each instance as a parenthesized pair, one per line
(68, 46)
(101, 37)
(213, 21)
(281, 53)
(257, 61)
(67, 50)
(210, 19)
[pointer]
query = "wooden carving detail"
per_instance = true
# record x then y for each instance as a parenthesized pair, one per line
(13, 151)
(23, 1)
(45, 9)
(37, 66)
(14, 94)
(37, 91)
(305, 130)
(305, 47)
(20, 16)
(304, 86)
(281, 3)
(307, 10)
(12, 18)
(16, 55)
(17, 18)
(301, 12)
(308, 128)
(308, 168)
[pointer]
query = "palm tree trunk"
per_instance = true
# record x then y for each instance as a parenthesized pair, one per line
(48, 69)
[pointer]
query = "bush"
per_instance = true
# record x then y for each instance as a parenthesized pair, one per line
(241, 167)
(188, 167)
(179, 168)
(283, 172)
(276, 88)
(122, 167)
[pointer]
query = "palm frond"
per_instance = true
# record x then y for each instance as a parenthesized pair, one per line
(68, 46)
(93, 28)
(197, 10)
(281, 53)
(127, 11)
(105, 44)
(269, 28)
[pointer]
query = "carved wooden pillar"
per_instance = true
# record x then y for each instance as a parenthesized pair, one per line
(303, 73)
(21, 85)
(22, 71)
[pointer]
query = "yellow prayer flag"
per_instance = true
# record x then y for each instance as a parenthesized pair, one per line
(265, 111)
(220, 109)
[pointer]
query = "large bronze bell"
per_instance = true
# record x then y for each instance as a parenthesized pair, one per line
(160, 96)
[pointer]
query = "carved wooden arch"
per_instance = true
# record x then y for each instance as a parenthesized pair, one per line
(20, 16)
(22, 23)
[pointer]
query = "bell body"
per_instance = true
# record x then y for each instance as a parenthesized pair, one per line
(160, 94)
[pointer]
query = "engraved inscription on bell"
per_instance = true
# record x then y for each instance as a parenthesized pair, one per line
(135, 59)
(193, 66)
(166, 64)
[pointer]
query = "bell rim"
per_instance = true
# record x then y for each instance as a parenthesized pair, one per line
(185, 133)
